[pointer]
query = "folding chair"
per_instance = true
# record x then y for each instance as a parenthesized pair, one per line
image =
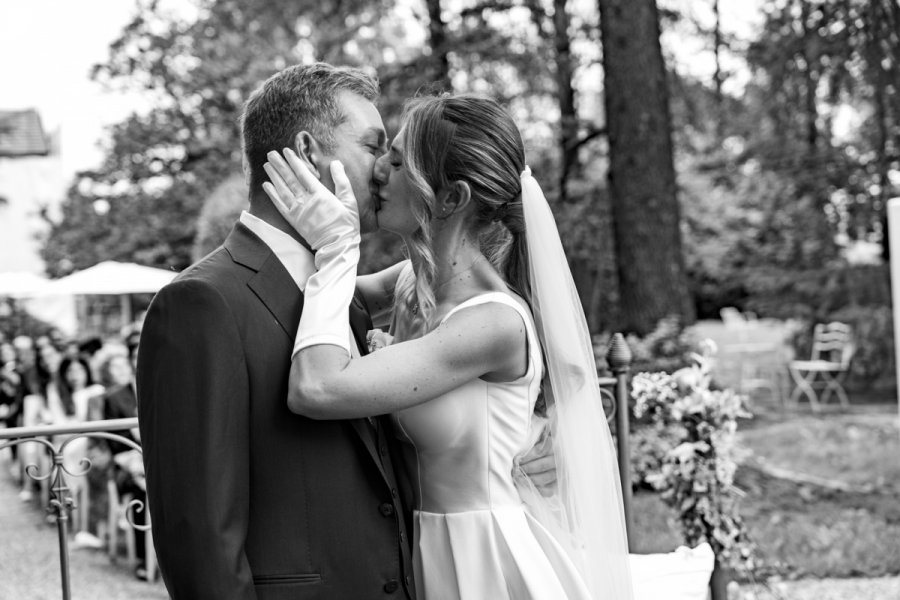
(832, 350)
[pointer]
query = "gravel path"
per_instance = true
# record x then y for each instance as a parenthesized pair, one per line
(29, 558)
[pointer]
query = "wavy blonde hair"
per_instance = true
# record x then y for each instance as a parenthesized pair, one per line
(462, 138)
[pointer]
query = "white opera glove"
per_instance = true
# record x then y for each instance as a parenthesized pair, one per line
(329, 222)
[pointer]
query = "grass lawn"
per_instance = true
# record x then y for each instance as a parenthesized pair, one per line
(805, 530)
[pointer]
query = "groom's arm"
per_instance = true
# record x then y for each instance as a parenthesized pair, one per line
(193, 401)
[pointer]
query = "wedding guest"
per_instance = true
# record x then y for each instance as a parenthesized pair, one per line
(34, 405)
(126, 467)
(10, 386)
(77, 387)
(11, 395)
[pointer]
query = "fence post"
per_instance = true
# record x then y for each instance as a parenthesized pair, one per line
(61, 502)
(619, 360)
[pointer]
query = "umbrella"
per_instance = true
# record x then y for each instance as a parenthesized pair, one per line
(112, 278)
(22, 284)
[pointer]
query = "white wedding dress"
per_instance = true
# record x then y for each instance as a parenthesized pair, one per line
(473, 537)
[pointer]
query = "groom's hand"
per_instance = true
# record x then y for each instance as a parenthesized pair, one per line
(539, 464)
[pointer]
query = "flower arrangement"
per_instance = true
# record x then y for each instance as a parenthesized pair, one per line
(692, 458)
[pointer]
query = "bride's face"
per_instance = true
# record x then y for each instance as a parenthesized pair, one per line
(394, 194)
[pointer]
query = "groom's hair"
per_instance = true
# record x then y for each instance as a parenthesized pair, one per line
(298, 98)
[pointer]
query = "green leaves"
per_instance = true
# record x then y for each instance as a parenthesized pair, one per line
(690, 433)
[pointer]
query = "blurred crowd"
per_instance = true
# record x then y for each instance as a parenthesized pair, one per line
(50, 380)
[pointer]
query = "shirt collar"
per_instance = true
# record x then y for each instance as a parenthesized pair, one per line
(298, 260)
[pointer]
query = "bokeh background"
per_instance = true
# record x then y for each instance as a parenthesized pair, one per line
(719, 169)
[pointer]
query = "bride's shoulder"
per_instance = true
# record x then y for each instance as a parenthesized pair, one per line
(498, 311)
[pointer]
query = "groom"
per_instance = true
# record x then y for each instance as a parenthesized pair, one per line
(247, 499)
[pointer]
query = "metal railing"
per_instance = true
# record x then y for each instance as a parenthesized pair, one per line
(614, 391)
(61, 501)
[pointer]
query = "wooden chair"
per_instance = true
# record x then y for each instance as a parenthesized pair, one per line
(832, 350)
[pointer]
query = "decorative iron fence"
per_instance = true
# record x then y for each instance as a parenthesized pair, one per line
(62, 502)
(56, 438)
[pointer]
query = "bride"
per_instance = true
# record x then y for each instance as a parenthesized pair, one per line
(486, 325)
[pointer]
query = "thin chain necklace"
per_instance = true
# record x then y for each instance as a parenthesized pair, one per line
(415, 308)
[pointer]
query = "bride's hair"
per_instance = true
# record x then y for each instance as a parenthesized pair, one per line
(471, 139)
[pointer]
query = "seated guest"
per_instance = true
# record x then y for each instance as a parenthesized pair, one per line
(10, 386)
(34, 405)
(49, 361)
(11, 393)
(76, 390)
(126, 468)
(77, 387)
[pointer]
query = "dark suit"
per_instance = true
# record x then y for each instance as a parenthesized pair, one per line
(247, 499)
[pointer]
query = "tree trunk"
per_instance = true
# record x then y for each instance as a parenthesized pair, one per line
(568, 116)
(437, 38)
(877, 18)
(717, 76)
(652, 279)
(810, 80)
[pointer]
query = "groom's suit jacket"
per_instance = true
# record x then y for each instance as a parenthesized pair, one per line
(248, 500)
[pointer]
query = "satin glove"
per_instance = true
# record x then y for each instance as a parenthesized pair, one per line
(329, 222)
(320, 216)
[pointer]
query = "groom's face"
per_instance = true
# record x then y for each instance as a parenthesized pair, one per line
(359, 141)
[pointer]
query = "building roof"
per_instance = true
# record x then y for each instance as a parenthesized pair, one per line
(21, 134)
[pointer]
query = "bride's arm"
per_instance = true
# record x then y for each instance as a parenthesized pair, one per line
(326, 384)
(377, 290)
(324, 381)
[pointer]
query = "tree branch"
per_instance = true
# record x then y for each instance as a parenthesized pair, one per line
(593, 132)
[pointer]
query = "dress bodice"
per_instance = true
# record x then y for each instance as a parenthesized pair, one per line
(460, 447)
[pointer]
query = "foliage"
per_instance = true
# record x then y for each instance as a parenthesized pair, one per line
(667, 348)
(195, 71)
(831, 59)
(695, 476)
(783, 154)
(858, 295)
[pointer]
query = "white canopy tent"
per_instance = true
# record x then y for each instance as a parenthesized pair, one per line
(29, 291)
(53, 301)
(22, 284)
(111, 278)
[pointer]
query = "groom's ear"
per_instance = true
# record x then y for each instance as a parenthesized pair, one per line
(309, 151)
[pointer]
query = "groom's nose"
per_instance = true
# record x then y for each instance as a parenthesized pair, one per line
(381, 171)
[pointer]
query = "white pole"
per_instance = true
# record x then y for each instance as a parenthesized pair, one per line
(893, 211)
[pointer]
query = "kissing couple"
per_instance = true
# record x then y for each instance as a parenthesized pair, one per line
(430, 431)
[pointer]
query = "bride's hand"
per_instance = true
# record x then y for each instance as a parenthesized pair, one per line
(319, 216)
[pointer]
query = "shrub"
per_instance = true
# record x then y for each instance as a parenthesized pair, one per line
(693, 428)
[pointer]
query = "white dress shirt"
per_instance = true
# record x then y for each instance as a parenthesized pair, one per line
(295, 257)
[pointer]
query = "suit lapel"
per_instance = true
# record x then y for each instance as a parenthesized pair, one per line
(273, 285)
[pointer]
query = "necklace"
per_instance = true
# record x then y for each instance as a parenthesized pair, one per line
(415, 308)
